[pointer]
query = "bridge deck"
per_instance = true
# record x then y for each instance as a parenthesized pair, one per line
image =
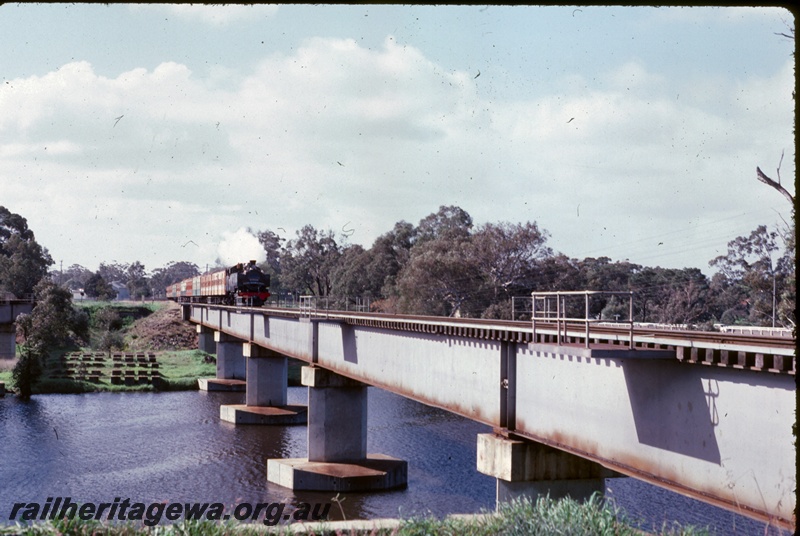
(696, 429)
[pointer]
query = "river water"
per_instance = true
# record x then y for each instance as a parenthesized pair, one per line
(153, 447)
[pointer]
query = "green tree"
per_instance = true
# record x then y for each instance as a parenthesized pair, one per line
(52, 323)
(75, 277)
(113, 272)
(173, 272)
(31, 352)
(671, 296)
(557, 273)
(449, 222)
(273, 245)
(273, 248)
(388, 255)
(97, 287)
(750, 272)
(505, 256)
(23, 262)
(137, 281)
(308, 261)
(440, 279)
(349, 276)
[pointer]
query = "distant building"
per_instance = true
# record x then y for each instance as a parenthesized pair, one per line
(121, 291)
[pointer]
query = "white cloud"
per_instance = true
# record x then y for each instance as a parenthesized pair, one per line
(339, 135)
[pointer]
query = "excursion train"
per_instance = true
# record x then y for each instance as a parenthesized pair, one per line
(243, 284)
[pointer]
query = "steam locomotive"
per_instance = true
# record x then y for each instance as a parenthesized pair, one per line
(243, 284)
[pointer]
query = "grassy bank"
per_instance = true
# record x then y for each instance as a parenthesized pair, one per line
(178, 371)
(545, 517)
(133, 328)
(126, 328)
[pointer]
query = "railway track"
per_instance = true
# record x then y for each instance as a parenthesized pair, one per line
(764, 353)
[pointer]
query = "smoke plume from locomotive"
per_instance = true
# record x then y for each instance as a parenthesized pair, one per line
(242, 244)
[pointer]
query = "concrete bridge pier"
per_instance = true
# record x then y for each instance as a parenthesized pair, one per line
(529, 469)
(337, 442)
(231, 366)
(205, 339)
(8, 341)
(266, 391)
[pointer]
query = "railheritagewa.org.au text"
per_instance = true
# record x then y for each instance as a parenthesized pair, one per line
(151, 514)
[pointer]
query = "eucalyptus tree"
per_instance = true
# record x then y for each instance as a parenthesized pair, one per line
(506, 255)
(307, 262)
(386, 258)
(137, 281)
(752, 276)
(172, 272)
(52, 323)
(23, 262)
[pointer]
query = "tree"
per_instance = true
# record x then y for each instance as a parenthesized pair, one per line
(687, 298)
(113, 272)
(557, 272)
(273, 247)
(349, 276)
(172, 273)
(75, 277)
(52, 323)
(137, 282)
(23, 262)
(775, 184)
(448, 223)
(388, 255)
(505, 255)
(670, 296)
(97, 287)
(31, 352)
(750, 274)
(308, 261)
(440, 279)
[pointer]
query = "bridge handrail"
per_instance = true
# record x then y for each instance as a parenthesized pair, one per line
(560, 299)
(308, 305)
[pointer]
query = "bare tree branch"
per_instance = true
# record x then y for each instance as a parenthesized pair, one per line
(777, 185)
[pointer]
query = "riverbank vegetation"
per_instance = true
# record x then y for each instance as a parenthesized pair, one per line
(115, 335)
(545, 517)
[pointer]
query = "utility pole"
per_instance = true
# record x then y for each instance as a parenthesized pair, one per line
(774, 288)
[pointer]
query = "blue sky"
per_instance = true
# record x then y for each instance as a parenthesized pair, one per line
(155, 133)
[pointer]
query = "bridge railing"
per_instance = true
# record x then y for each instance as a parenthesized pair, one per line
(557, 307)
(308, 305)
(322, 303)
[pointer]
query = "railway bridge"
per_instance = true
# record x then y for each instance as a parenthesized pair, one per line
(9, 309)
(708, 415)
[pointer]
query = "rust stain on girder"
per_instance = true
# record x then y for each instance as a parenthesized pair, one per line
(642, 469)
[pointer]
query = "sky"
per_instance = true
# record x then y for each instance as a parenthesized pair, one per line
(159, 133)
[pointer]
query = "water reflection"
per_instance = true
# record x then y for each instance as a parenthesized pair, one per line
(173, 447)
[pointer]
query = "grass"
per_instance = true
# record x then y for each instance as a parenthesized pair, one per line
(545, 517)
(178, 369)
(124, 305)
(6, 366)
(179, 372)
(181, 368)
